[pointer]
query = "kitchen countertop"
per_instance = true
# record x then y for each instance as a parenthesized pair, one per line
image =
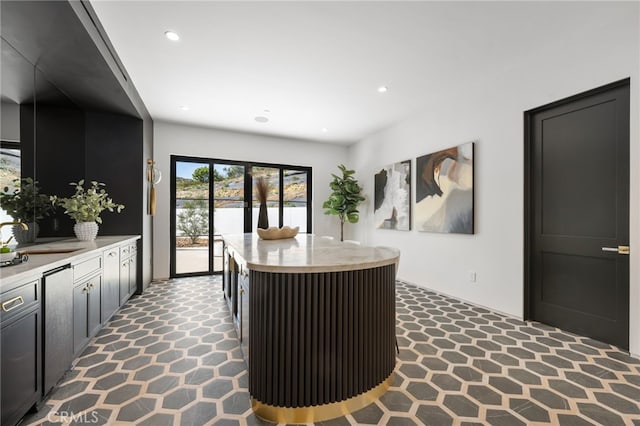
(39, 263)
(306, 253)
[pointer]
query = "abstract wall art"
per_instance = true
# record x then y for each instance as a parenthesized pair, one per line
(392, 197)
(444, 191)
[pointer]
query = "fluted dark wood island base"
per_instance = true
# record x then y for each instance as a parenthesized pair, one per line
(320, 340)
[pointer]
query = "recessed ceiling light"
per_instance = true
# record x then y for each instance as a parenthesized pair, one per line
(267, 110)
(261, 119)
(184, 107)
(382, 89)
(325, 130)
(172, 35)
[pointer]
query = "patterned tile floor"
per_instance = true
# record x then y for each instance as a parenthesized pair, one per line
(171, 357)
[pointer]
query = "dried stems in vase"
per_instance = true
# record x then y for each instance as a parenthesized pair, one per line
(262, 190)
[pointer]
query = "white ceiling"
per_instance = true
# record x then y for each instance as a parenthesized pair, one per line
(315, 65)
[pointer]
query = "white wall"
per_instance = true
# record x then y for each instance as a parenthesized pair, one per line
(599, 44)
(175, 139)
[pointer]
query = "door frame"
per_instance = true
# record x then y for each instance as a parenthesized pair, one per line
(528, 193)
(174, 159)
(248, 193)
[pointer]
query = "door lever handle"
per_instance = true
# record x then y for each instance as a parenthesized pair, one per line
(619, 249)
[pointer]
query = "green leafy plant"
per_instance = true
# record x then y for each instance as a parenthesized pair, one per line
(193, 220)
(201, 174)
(345, 198)
(25, 203)
(87, 204)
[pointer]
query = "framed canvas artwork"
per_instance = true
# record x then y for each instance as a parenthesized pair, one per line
(444, 191)
(392, 197)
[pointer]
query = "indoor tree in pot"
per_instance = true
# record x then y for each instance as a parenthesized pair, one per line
(85, 207)
(27, 205)
(343, 201)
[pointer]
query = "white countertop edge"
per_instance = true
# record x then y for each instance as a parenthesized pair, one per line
(41, 263)
(320, 266)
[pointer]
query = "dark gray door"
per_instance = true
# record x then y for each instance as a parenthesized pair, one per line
(578, 228)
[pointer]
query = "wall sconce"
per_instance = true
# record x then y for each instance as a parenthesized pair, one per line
(153, 177)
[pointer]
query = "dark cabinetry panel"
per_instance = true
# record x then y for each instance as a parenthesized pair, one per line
(57, 291)
(93, 305)
(110, 283)
(124, 280)
(79, 317)
(128, 271)
(114, 156)
(133, 269)
(87, 290)
(235, 285)
(86, 311)
(21, 342)
(243, 306)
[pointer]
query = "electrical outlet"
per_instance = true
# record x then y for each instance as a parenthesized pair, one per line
(472, 276)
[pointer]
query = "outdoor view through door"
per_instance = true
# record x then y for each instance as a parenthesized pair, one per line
(214, 197)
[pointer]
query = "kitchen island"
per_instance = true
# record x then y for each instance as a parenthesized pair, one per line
(316, 321)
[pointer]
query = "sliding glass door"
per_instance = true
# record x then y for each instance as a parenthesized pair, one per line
(191, 218)
(296, 208)
(229, 205)
(214, 197)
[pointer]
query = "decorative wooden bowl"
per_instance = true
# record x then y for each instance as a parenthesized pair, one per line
(278, 233)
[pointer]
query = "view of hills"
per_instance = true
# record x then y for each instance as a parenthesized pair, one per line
(229, 191)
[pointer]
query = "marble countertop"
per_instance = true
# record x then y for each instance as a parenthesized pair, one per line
(39, 263)
(306, 253)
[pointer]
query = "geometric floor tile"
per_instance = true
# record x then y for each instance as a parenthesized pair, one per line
(171, 357)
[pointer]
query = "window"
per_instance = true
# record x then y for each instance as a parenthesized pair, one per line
(213, 197)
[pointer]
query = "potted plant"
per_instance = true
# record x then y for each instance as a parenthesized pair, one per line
(25, 204)
(85, 207)
(343, 201)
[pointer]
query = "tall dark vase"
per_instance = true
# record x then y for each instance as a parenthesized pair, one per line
(263, 219)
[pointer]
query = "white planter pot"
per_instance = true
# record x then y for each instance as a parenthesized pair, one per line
(28, 236)
(86, 231)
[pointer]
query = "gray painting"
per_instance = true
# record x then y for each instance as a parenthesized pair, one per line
(444, 191)
(392, 197)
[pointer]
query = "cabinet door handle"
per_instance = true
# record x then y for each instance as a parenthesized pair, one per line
(111, 254)
(11, 304)
(241, 290)
(130, 260)
(85, 289)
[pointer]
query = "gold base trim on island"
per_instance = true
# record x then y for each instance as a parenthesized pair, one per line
(319, 412)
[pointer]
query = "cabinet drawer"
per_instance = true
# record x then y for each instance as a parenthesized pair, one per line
(133, 248)
(14, 302)
(87, 267)
(111, 254)
(125, 251)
